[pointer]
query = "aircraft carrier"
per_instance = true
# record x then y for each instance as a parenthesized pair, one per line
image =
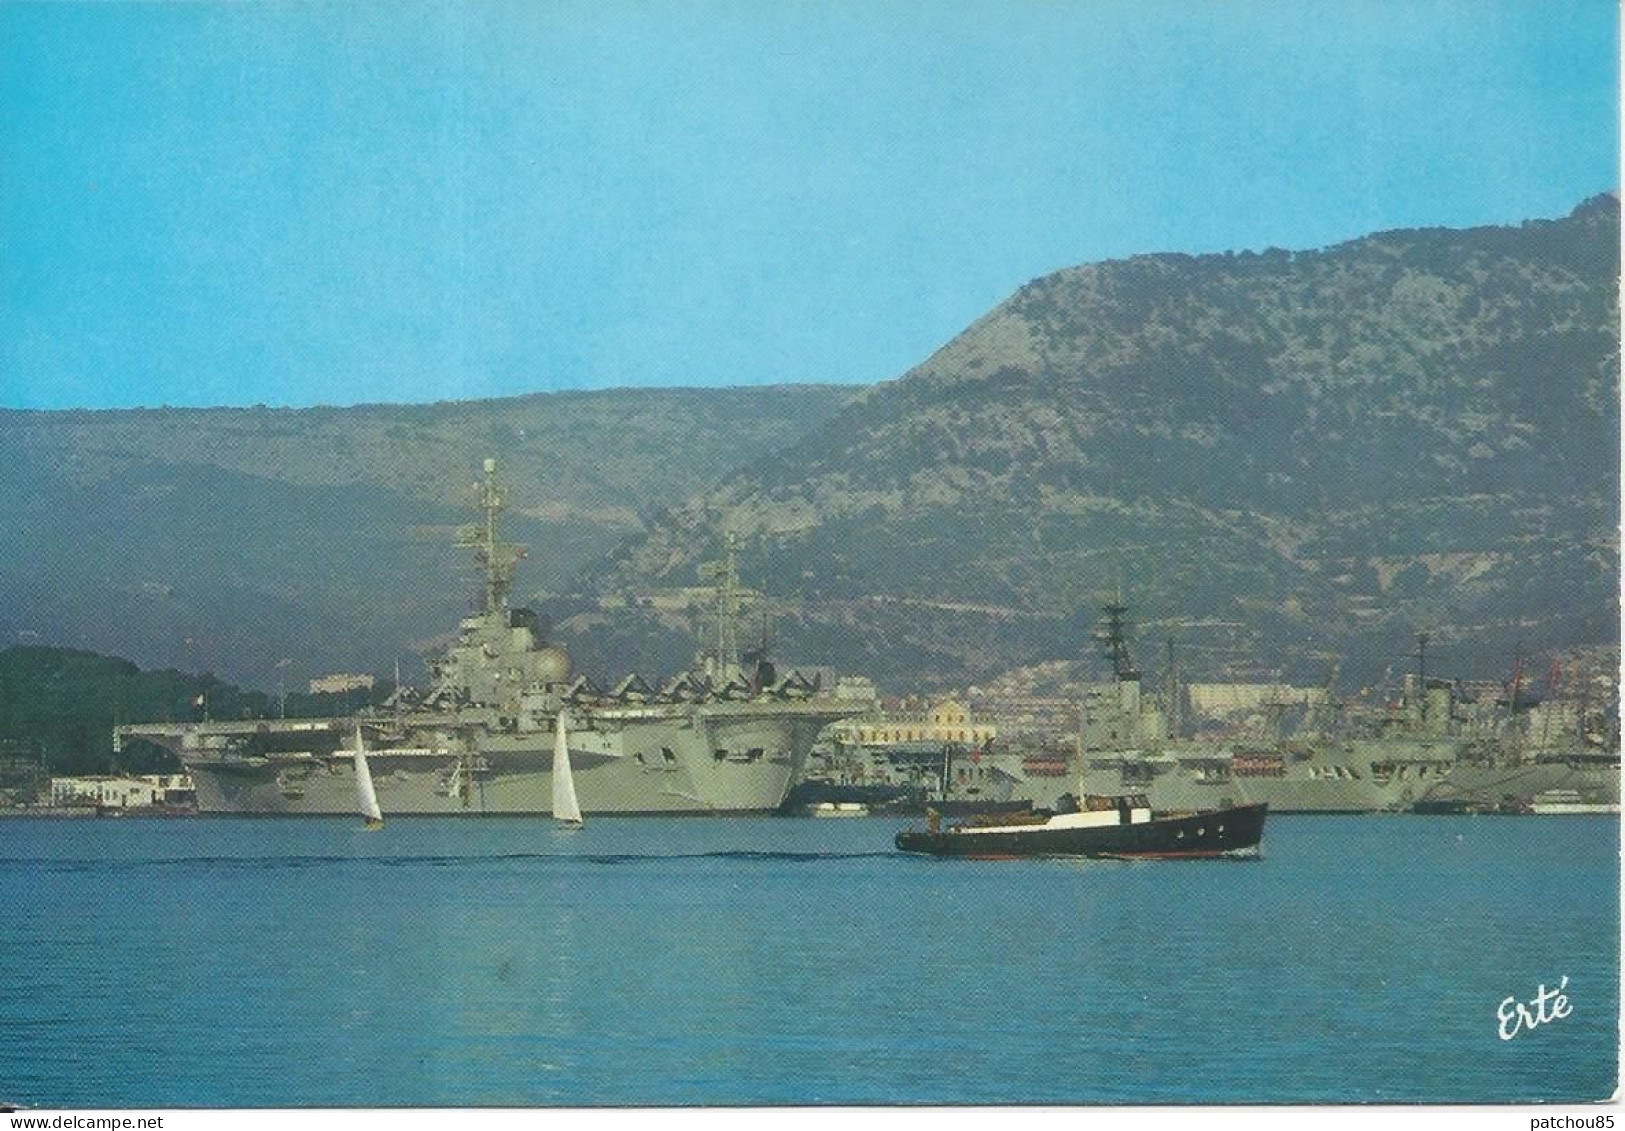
(723, 737)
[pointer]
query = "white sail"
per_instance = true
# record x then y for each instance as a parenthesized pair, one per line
(366, 797)
(565, 807)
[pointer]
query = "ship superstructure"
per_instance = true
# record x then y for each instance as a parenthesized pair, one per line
(1431, 748)
(480, 739)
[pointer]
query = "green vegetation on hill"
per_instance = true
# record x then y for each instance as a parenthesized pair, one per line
(61, 705)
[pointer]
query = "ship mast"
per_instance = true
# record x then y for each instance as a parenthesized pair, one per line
(497, 558)
(1422, 676)
(1113, 636)
(1175, 695)
(730, 601)
(1512, 705)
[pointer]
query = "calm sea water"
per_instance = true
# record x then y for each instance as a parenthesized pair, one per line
(223, 962)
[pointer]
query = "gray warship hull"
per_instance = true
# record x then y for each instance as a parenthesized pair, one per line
(650, 761)
(1357, 778)
(1490, 785)
(1427, 752)
(720, 738)
(1174, 786)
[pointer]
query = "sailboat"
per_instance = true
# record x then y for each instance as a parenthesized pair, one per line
(566, 810)
(365, 795)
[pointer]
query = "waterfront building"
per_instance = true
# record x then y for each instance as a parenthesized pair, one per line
(116, 791)
(910, 721)
(1221, 700)
(340, 682)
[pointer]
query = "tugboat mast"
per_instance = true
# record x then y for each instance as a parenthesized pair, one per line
(497, 558)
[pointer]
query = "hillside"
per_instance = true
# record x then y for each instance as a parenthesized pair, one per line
(1282, 455)
(1279, 455)
(230, 539)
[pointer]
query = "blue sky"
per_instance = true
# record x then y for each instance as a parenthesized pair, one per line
(335, 203)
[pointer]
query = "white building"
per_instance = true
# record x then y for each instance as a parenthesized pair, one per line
(340, 682)
(121, 792)
(1217, 700)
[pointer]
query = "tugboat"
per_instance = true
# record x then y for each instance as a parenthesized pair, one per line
(1120, 827)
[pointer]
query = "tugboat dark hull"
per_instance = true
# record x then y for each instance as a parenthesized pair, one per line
(1217, 832)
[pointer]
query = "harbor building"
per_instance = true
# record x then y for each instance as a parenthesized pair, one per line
(1222, 700)
(340, 682)
(111, 791)
(908, 721)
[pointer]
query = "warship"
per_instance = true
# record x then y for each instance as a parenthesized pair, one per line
(722, 737)
(1426, 755)
(909, 777)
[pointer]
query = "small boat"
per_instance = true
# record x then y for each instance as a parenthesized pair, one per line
(836, 809)
(566, 810)
(366, 796)
(1108, 827)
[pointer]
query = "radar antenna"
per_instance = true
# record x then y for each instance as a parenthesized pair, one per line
(497, 559)
(1112, 635)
